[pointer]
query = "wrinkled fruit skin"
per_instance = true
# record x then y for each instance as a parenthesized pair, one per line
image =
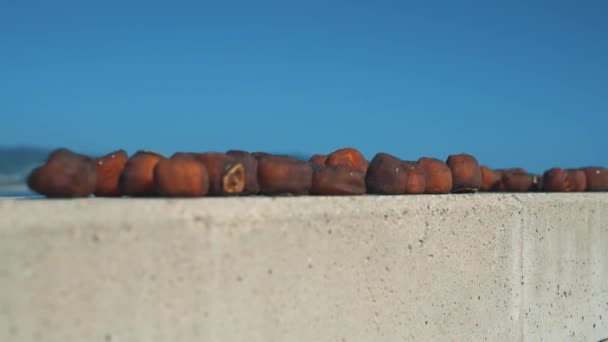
(597, 178)
(137, 178)
(438, 176)
(109, 169)
(181, 177)
(466, 174)
(348, 157)
(517, 182)
(318, 160)
(416, 178)
(578, 180)
(489, 179)
(65, 174)
(386, 175)
(226, 174)
(556, 180)
(512, 180)
(279, 175)
(500, 186)
(250, 163)
(337, 181)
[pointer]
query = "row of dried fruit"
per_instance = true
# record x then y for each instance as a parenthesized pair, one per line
(343, 172)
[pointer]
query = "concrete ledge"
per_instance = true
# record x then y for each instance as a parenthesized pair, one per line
(495, 267)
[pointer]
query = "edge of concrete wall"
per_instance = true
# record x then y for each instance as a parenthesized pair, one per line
(496, 267)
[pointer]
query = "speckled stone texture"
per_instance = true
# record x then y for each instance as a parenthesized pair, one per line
(482, 267)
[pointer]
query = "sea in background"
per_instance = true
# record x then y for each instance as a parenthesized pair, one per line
(17, 193)
(15, 190)
(16, 163)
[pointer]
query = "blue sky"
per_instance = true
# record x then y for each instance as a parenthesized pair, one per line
(515, 84)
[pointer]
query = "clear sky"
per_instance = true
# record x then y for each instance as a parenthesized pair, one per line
(516, 84)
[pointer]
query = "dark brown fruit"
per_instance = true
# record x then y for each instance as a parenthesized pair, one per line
(137, 178)
(578, 180)
(466, 175)
(318, 160)
(280, 175)
(508, 173)
(250, 163)
(109, 169)
(416, 178)
(438, 176)
(556, 180)
(500, 186)
(226, 174)
(65, 174)
(489, 179)
(386, 175)
(337, 181)
(516, 181)
(181, 177)
(348, 157)
(597, 178)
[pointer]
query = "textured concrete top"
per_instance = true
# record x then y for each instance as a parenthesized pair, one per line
(17, 213)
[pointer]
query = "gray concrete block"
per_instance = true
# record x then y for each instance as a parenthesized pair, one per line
(495, 267)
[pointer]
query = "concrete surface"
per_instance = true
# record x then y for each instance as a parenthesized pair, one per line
(485, 267)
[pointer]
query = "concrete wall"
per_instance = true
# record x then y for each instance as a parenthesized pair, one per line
(495, 267)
